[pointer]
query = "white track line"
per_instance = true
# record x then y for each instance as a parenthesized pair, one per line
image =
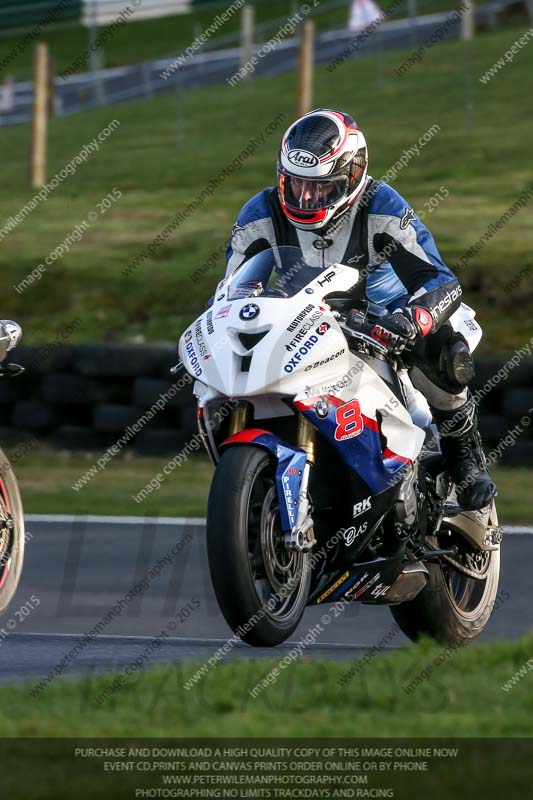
(103, 520)
(187, 641)
(519, 530)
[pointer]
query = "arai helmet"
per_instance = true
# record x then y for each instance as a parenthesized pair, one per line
(322, 168)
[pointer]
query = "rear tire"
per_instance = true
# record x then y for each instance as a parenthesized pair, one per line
(11, 533)
(453, 608)
(248, 563)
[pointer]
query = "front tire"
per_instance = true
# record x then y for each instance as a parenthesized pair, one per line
(261, 587)
(11, 533)
(453, 608)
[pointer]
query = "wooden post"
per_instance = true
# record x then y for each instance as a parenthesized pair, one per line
(39, 116)
(306, 68)
(468, 22)
(247, 37)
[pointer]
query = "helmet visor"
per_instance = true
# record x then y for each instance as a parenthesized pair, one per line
(312, 194)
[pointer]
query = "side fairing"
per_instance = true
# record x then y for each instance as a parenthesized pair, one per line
(366, 422)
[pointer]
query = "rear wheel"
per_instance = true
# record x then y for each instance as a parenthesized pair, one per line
(261, 586)
(454, 607)
(11, 533)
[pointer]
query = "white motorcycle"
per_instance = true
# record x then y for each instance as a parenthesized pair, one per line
(11, 515)
(329, 480)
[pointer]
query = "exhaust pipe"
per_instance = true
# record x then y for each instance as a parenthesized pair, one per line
(407, 585)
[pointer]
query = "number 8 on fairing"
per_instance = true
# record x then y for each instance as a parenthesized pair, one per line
(349, 421)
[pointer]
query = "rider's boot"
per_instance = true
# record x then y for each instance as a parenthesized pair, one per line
(463, 453)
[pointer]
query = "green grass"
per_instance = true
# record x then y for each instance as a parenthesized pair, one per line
(160, 168)
(46, 480)
(462, 697)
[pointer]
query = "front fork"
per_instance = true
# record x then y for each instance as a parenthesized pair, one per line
(239, 418)
(301, 536)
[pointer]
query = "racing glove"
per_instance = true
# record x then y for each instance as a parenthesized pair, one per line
(395, 331)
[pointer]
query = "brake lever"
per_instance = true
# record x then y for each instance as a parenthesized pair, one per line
(363, 337)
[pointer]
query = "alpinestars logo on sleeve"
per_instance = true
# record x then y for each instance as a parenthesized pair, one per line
(448, 299)
(236, 233)
(408, 216)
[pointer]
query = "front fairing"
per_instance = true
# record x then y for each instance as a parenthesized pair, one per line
(268, 345)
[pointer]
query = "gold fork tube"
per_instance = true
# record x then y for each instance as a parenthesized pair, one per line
(239, 419)
(307, 438)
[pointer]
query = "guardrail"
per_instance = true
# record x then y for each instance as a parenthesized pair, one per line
(88, 90)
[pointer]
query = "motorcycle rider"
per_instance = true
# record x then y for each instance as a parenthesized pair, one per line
(327, 204)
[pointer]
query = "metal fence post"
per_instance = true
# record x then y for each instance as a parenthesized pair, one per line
(468, 21)
(95, 57)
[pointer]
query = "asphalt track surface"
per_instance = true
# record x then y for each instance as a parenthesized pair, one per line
(78, 568)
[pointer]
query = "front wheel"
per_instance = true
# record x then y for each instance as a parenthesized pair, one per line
(11, 533)
(261, 587)
(454, 606)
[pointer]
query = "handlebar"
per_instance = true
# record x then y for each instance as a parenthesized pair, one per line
(374, 325)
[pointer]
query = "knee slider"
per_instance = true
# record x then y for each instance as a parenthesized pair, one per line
(457, 362)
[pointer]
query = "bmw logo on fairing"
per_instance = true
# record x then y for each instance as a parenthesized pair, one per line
(250, 311)
(322, 408)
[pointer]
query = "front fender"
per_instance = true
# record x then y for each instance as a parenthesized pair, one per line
(289, 470)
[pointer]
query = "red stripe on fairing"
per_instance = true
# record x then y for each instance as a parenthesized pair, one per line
(370, 423)
(390, 454)
(247, 435)
(305, 405)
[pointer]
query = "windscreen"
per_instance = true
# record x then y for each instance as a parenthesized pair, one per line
(276, 272)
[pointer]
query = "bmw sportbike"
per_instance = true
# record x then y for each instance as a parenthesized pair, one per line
(11, 516)
(329, 482)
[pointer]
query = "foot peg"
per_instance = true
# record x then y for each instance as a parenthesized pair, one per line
(428, 554)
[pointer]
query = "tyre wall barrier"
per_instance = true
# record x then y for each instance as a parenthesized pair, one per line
(84, 397)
